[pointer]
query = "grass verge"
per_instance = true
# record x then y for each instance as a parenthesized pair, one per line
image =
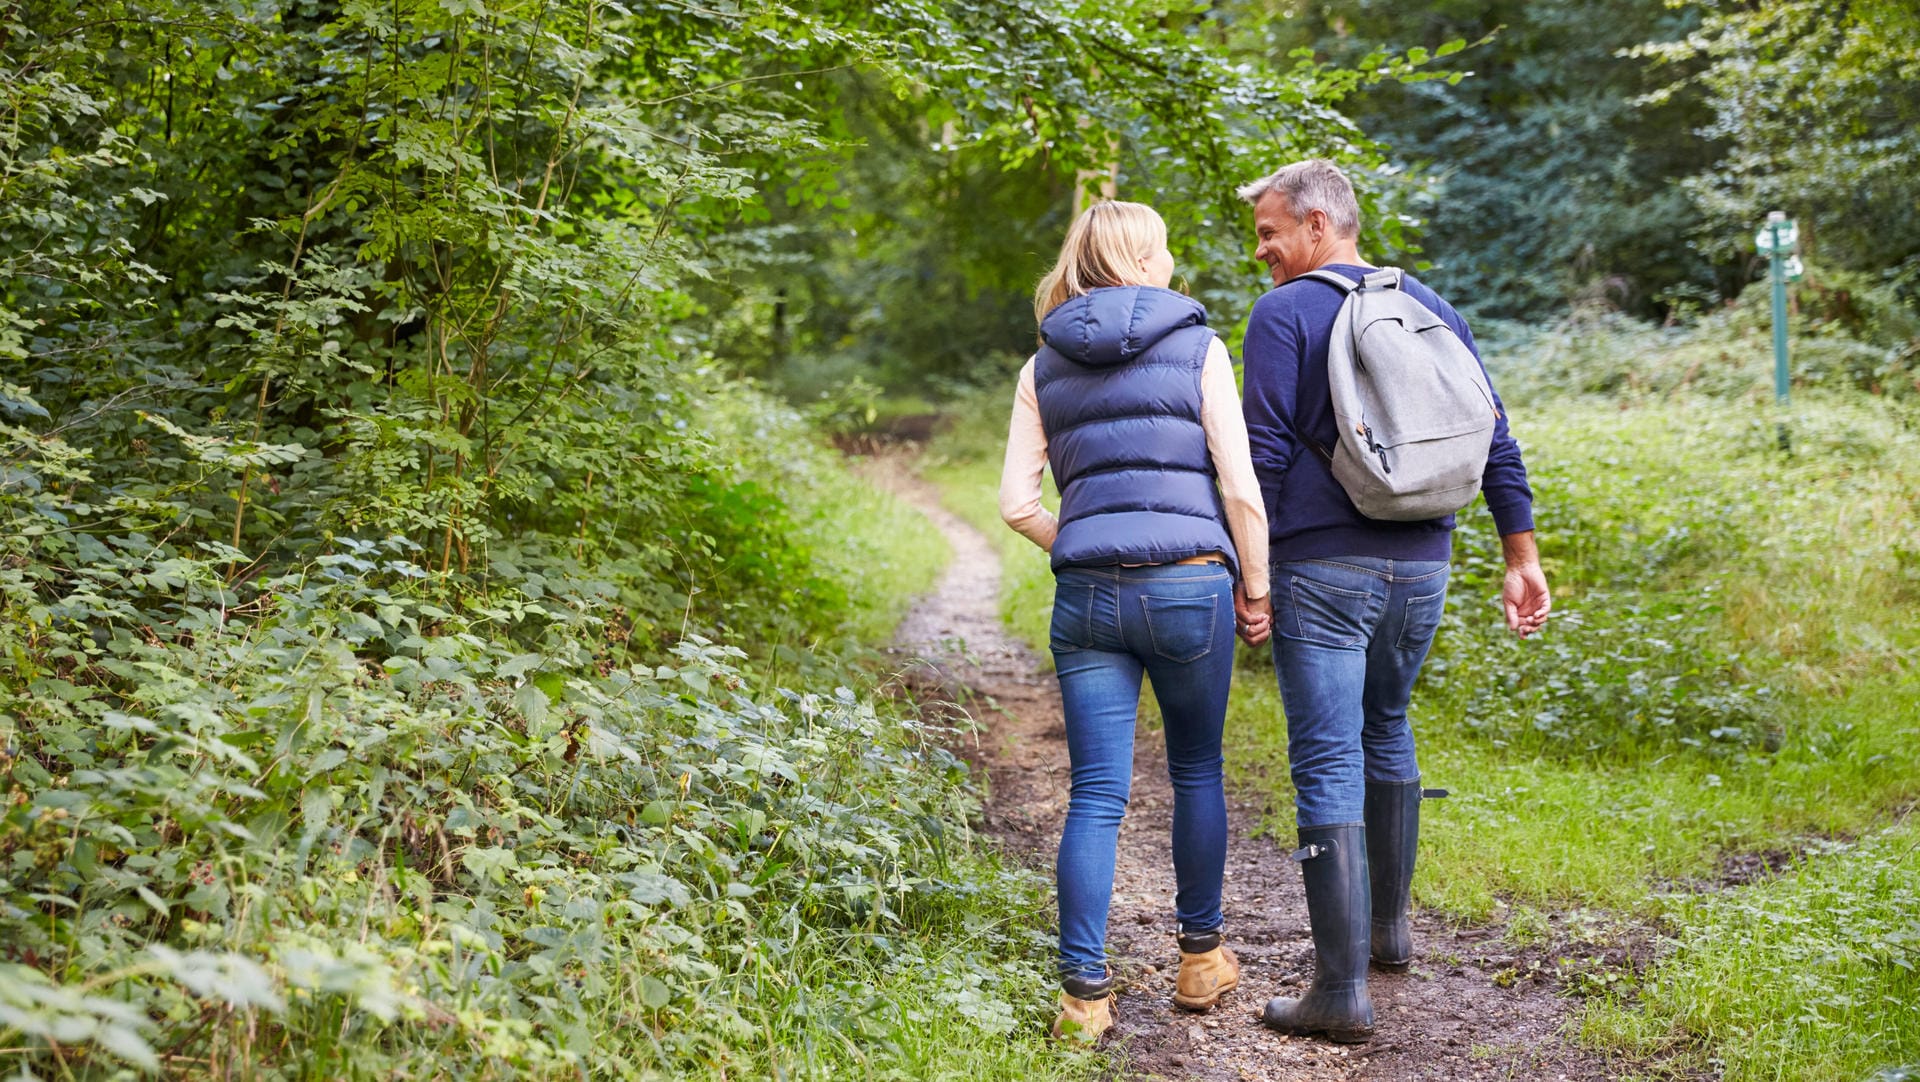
(1814, 975)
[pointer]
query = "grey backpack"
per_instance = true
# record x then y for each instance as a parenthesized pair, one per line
(1414, 409)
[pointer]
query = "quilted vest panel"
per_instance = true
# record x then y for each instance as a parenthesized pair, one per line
(1118, 381)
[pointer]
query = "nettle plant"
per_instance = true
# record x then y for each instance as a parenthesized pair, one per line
(1627, 668)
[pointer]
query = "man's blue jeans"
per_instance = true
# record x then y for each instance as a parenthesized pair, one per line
(1349, 635)
(1174, 622)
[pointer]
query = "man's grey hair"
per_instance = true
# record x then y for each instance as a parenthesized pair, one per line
(1315, 184)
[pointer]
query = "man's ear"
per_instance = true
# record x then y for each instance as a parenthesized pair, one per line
(1317, 223)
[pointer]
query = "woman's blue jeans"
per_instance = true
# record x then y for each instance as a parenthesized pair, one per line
(1349, 635)
(1173, 622)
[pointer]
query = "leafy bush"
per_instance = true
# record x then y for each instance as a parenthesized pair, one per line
(1692, 595)
(1620, 674)
(344, 825)
(354, 486)
(1636, 661)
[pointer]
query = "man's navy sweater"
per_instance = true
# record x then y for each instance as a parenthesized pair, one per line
(1308, 514)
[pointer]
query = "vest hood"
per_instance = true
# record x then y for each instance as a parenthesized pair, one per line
(1116, 324)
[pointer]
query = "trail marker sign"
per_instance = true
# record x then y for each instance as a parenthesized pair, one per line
(1777, 240)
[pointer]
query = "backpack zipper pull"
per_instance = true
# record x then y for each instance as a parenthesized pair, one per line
(1367, 431)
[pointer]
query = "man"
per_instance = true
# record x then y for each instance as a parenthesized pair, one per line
(1355, 602)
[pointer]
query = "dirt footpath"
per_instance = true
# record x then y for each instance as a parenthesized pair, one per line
(1446, 1019)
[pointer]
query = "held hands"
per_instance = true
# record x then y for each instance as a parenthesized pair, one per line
(1254, 619)
(1524, 594)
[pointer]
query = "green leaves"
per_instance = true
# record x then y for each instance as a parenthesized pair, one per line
(1815, 109)
(442, 861)
(1812, 968)
(376, 524)
(39, 1010)
(654, 993)
(227, 978)
(227, 453)
(490, 863)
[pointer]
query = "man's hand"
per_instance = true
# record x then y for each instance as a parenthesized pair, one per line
(1524, 594)
(1253, 618)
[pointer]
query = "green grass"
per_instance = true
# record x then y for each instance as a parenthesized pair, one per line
(884, 551)
(962, 996)
(1669, 523)
(1531, 828)
(1815, 975)
(1729, 671)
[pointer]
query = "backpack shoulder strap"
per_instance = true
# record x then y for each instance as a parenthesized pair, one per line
(1333, 278)
(1347, 287)
(1378, 278)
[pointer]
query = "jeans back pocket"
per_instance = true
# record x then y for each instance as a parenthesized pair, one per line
(1182, 628)
(1323, 614)
(1072, 627)
(1422, 620)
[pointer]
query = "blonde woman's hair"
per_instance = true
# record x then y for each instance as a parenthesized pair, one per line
(1104, 247)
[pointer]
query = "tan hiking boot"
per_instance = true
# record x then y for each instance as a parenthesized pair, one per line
(1208, 970)
(1086, 1008)
(1083, 1019)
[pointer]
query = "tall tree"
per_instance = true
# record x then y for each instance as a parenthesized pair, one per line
(909, 241)
(1818, 109)
(1548, 181)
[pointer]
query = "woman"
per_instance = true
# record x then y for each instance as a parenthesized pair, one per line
(1131, 399)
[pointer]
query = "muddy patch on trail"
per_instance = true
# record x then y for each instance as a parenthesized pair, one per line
(1744, 869)
(1737, 869)
(1468, 1009)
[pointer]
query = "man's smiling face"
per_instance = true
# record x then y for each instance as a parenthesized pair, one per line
(1287, 245)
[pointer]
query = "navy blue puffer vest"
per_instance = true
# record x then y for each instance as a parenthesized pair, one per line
(1118, 379)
